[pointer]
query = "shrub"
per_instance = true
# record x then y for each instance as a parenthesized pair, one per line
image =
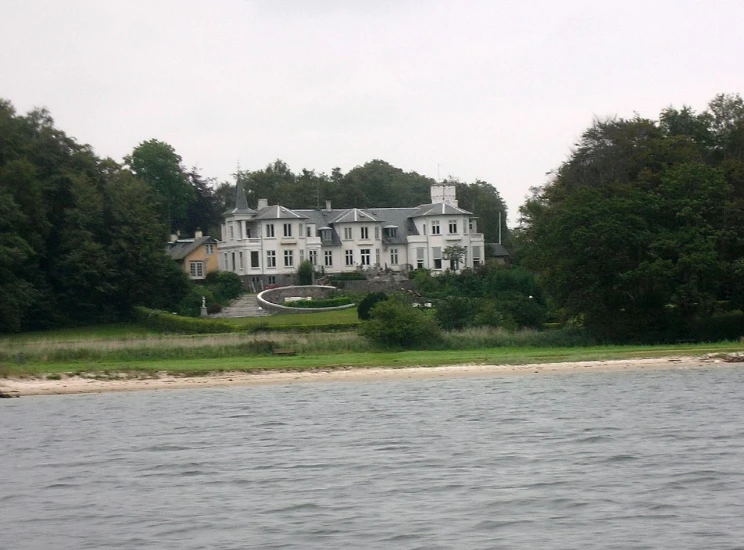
(456, 312)
(324, 302)
(225, 285)
(368, 302)
(305, 273)
(397, 324)
(213, 308)
(190, 306)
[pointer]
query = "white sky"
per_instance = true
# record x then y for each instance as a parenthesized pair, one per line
(496, 90)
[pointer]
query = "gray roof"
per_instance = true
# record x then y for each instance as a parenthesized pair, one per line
(354, 215)
(495, 250)
(277, 212)
(178, 250)
(241, 203)
(439, 209)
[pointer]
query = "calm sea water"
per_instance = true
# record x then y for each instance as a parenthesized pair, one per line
(596, 460)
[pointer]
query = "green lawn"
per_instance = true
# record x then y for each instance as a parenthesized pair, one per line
(337, 317)
(116, 331)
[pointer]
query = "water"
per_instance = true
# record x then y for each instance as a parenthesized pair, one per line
(595, 460)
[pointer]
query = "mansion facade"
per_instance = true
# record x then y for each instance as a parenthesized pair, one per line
(266, 245)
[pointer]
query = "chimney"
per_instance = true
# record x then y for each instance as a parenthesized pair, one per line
(328, 206)
(262, 203)
(198, 234)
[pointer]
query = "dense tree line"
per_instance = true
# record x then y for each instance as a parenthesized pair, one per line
(640, 234)
(81, 238)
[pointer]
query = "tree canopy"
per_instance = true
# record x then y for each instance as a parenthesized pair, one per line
(80, 237)
(642, 228)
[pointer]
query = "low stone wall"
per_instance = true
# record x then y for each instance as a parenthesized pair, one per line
(271, 299)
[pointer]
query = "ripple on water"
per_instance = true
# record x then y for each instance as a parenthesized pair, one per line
(611, 460)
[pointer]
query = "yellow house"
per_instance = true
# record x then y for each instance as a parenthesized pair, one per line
(197, 256)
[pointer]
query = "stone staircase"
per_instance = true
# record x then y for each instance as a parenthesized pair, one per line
(245, 306)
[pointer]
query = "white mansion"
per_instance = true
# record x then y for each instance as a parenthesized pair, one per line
(266, 245)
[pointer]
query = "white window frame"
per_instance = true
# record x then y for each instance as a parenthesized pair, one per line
(436, 256)
(328, 258)
(366, 256)
(271, 259)
(349, 257)
(313, 256)
(270, 230)
(365, 233)
(288, 258)
(348, 233)
(453, 227)
(393, 256)
(435, 229)
(196, 270)
(287, 229)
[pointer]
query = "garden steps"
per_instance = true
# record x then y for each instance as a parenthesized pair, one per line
(244, 306)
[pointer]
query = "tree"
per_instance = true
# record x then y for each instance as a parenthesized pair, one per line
(635, 235)
(157, 163)
(395, 323)
(305, 273)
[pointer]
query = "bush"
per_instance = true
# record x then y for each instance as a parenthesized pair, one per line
(305, 273)
(213, 308)
(324, 302)
(368, 302)
(190, 306)
(225, 285)
(456, 312)
(397, 324)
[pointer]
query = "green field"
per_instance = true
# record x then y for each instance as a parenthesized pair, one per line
(133, 349)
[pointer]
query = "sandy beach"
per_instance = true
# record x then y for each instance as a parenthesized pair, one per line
(80, 384)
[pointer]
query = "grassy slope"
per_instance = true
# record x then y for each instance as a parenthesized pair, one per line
(514, 356)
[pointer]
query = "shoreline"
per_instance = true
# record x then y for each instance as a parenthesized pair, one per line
(23, 387)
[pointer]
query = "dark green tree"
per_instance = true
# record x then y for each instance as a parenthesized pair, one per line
(157, 163)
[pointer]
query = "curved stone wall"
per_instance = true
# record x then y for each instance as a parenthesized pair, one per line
(270, 300)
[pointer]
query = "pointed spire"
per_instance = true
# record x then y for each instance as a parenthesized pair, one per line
(241, 203)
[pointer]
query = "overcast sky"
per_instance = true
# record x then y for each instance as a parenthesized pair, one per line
(495, 90)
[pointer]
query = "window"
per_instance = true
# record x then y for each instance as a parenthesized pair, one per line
(393, 256)
(365, 256)
(300, 232)
(287, 229)
(209, 248)
(435, 228)
(302, 256)
(436, 254)
(349, 255)
(365, 233)
(391, 232)
(476, 256)
(269, 229)
(347, 233)
(377, 256)
(225, 263)
(270, 258)
(453, 226)
(377, 232)
(420, 258)
(313, 256)
(271, 280)
(233, 261)
(309, 231)
(328, 255)
(254, 258)
(247, 232)
(240, 230)
(288, 258)
(471, 225)
(240, 265)
(232, 232)
(196, 269)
